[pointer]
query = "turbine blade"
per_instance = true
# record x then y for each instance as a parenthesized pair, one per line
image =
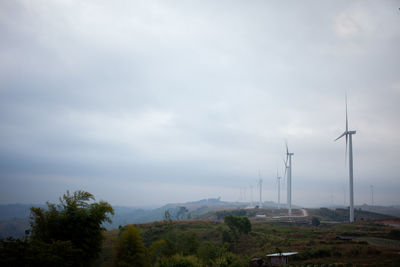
(347, 122)
(287, 149)
(343, 134)
(285, 171)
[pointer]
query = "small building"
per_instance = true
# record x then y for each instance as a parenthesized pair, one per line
(280, 259)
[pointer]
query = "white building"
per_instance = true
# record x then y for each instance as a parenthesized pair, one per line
(280, 259)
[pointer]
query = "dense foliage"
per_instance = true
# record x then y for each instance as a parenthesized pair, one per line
(315, 221)
(238, 224)
(215, 244)
(130, 250)
(67, 234)
(176, 242)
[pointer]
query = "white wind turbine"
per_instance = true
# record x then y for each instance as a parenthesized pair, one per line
(288, 168)
(260, 187)
(279, 189)
(349, 135)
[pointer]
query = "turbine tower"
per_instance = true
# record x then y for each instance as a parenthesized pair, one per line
(372, 196)
(289, 179)
(349, 139)
(251, 194)
(260, 186)
(279, 189)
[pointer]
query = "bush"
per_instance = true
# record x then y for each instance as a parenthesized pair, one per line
(189, 243)
(226, 237)
(74, 223)
(179, 261)
(394, 234)
(315, 221)
(208, 252)
(229, 260)
(130, 250)
(238, 224)
(67, 234)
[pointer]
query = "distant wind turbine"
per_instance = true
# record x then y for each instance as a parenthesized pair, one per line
(372, 195)
(251, 194)
(279, 189)
(288, 168)
(349, 138)
(260, 187)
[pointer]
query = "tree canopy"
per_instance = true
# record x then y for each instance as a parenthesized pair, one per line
(77, 221)
(238, 224)
(130, 250)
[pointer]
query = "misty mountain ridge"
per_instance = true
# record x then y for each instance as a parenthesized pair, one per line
(14, 218)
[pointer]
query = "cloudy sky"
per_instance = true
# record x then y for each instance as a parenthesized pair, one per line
(150, 102)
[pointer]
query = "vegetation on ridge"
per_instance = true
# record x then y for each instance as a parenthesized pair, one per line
(71, 234)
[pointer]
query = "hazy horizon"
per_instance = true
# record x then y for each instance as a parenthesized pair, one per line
(149, 103)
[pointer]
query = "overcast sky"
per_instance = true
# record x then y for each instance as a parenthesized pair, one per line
(151, 102)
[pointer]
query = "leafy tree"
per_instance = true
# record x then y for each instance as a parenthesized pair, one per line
(208, 252)
(229, 259)
(130, 250)
(156, 250)
(178, 260)
(189, 243)
(75, 225)
(226, 237)
(315, 221)
(167, 216)
(13, 252)
(180, 215)
(238, 224)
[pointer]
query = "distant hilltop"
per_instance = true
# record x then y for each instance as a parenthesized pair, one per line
(14, 218)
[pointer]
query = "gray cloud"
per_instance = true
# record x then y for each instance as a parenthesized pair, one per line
(144, 103)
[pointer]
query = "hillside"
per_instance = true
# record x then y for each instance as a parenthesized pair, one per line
(15, 217)
(361, 244)
(389, 210)
(342, 215)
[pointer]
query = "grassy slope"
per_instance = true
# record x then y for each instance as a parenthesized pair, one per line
(315, 245)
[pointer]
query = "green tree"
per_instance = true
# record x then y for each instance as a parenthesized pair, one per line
(315, 221)
(178, 260)
(15, 252)
(226, 237)
(130, 250)
(75, 225)
(167, 216)
(208, 252)
(238, 224)
(180, 215)
(189, 243)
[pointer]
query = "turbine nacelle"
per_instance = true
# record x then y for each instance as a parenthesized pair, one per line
(345, 134)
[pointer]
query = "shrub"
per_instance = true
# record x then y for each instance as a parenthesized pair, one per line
(315, 221)
(179, 260)
(208, 252)
(130, 250)
(74, 223)
(238, 224)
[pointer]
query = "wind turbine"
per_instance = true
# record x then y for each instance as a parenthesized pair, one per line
(251, 194)
(289, 178)
(349, 138)
(260, 187)
(372, 196)
(279, 189)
